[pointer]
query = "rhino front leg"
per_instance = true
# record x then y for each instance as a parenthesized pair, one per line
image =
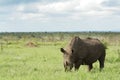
(77, 65)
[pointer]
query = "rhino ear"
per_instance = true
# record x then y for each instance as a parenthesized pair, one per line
(62, 50)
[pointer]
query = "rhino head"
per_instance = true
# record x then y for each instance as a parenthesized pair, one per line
(68, 59)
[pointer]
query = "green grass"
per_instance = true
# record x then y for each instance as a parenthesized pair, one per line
(45, 63)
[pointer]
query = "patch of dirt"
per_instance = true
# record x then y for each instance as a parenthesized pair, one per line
(31, 44)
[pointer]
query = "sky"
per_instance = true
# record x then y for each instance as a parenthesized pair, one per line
(59, 15)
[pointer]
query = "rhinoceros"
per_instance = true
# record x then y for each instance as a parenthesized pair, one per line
(83, 52)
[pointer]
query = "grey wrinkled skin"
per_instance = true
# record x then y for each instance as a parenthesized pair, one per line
(83, 52)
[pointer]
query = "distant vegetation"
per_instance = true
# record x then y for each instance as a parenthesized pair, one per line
(36, 39)
(109, 38)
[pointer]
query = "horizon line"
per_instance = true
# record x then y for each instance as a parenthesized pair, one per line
(51, 31)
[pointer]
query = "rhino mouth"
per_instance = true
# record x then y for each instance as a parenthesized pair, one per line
(68, 68)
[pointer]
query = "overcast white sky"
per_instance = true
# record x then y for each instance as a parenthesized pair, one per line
(59, 15)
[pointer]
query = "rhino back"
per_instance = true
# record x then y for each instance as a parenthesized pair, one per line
(87, 49)
(94, 49)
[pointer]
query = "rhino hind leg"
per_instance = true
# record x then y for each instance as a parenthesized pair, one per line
(101, 61)
(90, 66)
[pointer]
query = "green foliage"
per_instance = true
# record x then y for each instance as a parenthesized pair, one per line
(45, 62)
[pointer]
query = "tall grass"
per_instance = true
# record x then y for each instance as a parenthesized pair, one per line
(45, 63)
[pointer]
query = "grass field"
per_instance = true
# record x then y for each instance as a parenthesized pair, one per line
(45, 62)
